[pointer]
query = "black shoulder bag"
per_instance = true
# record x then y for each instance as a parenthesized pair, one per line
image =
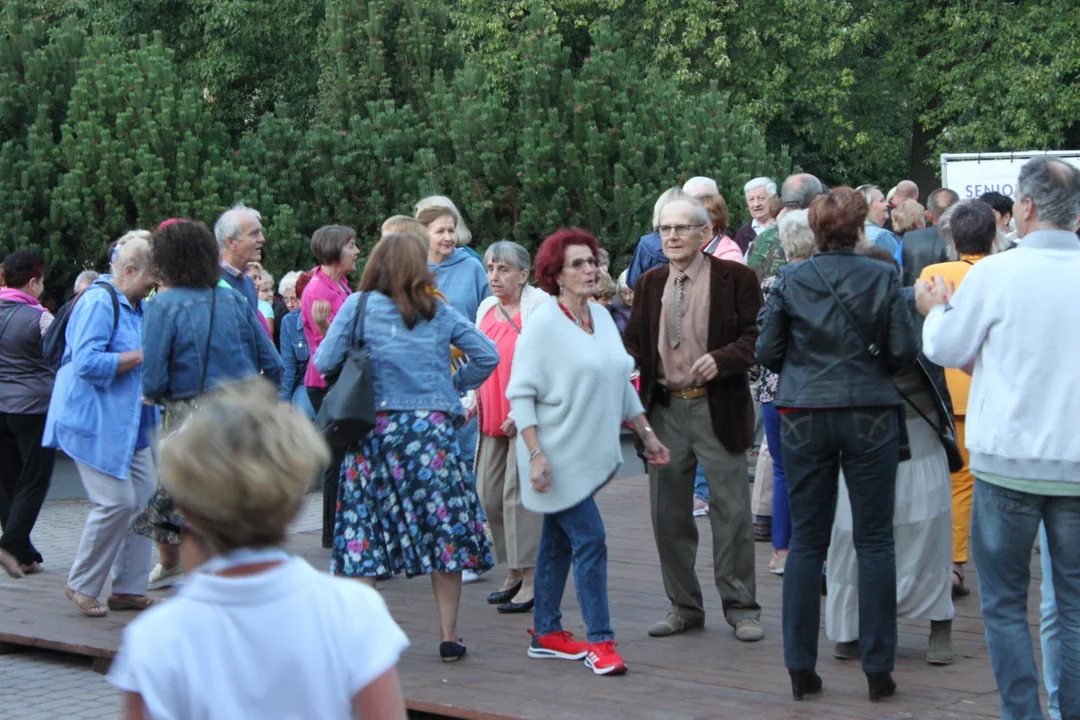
(347, 413)
(946, 432)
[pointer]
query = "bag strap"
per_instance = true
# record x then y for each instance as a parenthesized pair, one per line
(209, 337)
(871, 347)
(359, 318)
(508, 318)
(14, 311)
(115, 303)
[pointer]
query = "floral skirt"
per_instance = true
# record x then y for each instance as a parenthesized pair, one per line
(160, 519)
(405, 504)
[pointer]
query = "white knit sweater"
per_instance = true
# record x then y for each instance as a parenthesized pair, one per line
(575, 389)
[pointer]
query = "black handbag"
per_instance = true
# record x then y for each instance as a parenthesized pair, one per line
(946, 432)
(347, 413)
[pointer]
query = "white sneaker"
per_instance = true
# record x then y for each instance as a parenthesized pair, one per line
(468, 577)
(701, 507)
(161, 578)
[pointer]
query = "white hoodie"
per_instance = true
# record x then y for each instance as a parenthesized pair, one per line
(1017, 315)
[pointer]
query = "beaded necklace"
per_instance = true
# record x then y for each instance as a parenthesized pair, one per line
(577, 320)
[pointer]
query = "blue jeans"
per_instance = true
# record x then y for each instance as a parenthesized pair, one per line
(701, 488)
(573, 535)
(781, 517)
(1049, 629)
(816, 445)
(301, 402)
(1004, 524)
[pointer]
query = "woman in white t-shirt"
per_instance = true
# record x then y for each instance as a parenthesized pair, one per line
(255, 632)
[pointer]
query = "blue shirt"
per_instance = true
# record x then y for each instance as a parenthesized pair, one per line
(648, 254)
(410, 368)
(94, 414)
(174, 346)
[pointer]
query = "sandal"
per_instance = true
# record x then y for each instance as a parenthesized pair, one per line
(131, 602)
(88, 606)
(959, 589)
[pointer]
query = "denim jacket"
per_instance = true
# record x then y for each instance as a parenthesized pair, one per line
(174, 344)
(94, 413)
(294, 354)
(411, 368)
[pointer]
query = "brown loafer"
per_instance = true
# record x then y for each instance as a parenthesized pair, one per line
(131, 602)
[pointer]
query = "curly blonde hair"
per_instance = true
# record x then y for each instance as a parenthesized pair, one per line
(239, 468)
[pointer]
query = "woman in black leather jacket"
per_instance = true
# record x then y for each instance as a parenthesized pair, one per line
(836, 327)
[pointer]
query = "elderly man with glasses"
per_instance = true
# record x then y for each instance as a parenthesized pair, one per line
(692, 333)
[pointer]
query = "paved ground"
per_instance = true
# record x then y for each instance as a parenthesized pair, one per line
(42, 685)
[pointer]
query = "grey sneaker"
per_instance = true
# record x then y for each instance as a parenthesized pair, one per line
(749, 630)
(674, 624)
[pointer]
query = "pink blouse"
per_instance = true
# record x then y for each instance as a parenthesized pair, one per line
(727, 249)
(494, 407)
(321, 287)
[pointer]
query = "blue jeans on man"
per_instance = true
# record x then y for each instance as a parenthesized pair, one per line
(1004, 526)
(1049, 629)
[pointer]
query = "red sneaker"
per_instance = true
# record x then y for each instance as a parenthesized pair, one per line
(603, 660)
(560, 645)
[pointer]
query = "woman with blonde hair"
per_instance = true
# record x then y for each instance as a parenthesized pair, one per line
(97, 417)
(406, 504)
(462, 234)
(255, 632)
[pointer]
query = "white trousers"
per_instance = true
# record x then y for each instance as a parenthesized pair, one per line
(107, 540)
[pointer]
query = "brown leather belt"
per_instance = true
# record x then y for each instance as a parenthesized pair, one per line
(690, 393)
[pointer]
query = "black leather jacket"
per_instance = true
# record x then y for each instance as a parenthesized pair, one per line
(919, 249)
(821, 359)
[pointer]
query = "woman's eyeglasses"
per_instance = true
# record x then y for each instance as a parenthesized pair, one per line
(580, 262)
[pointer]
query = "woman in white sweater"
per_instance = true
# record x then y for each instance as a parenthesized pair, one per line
(569, 392)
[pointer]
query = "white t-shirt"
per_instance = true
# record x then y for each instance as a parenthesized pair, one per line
(287, 643)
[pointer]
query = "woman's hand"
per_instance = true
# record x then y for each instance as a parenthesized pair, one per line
(655, 451)
(540, 473)
(930, 294)
(320, 314)
(509, 427)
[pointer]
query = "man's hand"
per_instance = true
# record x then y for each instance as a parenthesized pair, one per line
(705, 368)
(930, 294)
(320, 313)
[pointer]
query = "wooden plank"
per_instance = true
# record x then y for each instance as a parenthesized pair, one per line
(702, 674)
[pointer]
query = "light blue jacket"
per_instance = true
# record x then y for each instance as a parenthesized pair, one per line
(411, 368)
(882, 238)
(461, 278)
(294, 354)
(94, 413)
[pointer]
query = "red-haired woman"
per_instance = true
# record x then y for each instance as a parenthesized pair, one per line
(406, 504)
(836, 327)
(569, 392)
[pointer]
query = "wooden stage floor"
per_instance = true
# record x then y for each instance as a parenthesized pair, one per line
(703, 674)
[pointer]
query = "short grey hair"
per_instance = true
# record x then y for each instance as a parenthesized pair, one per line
(85, 279)
(228, 224)
(508, 252)
(665, 197)
(462, 234)
(132, 250)
(621, 284)
(767, 183)
(799, 190)
(1054, 187)
(698, 212)
(796, 237)
(708, 185)
(288, 282)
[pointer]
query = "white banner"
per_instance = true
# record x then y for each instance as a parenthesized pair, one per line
(971, 175)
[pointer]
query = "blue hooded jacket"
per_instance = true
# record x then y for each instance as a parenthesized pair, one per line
(462, 280)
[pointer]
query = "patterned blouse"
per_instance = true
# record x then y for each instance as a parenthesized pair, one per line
(763, 381)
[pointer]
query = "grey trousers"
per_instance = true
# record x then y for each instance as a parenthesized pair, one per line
(107, 540)
(686, 429)
(515, 530)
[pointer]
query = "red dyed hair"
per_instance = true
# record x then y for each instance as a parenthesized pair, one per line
(551, 256)
(302, 282)
(837, 218)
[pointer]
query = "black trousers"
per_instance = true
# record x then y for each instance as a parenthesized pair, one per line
(25, 471)
(330, 478)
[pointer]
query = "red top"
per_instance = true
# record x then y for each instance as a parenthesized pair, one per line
(494, 407)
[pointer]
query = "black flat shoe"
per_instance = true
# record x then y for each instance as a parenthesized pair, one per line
(503, 596)
(451, 651)
(881, 685)
(804, 682)
(513, 607)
